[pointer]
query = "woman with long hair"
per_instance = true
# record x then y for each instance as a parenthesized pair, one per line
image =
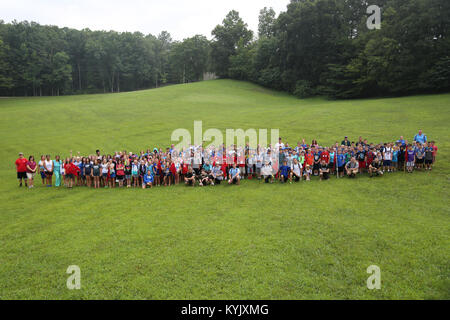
(57, 164)
(31, 171)
(48, 167)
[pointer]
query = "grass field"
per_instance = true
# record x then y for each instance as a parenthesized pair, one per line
(302, 241)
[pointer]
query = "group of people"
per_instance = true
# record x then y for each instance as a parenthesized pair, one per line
(196, 165)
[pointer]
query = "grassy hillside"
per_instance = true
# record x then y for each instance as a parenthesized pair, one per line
(302, 241)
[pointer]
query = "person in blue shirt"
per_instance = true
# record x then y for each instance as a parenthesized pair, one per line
(234, 175)
(148, 180)
(340, 160)
(285, 172)
(401, 141)
(420, 137)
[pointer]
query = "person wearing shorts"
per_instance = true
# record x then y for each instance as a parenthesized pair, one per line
(120, 171)
(375, 168)
(48, 168)
(21, 168)
(420, 156)
(127, 170)
(189, 177)
(112, 174)
(104, 172)
(135, 172)
(266, 173)
(324, 170)
(387, 158)
(296, 171)
(285, 173)
(31, 171)
(148, 180)
(217, 174)
(96, 173)
(410, 158)
(307, 172)
(234, 177)
(428, 157)
(352, 168)
(42, 169)
(88, 171)
(361, 157)
(340, 163)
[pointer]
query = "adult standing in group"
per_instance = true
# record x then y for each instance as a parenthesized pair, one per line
(31, 171)
(345, 142)
(57, 164)
(48, 168)
(420, 137)
(21, 168)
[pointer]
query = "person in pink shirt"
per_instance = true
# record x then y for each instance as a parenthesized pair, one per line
(31, 171)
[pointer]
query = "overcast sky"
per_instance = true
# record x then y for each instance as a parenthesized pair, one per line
(181, 18)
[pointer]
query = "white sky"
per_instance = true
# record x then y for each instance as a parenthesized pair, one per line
(181, 18)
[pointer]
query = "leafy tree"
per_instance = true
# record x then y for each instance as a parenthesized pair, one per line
(226, 39)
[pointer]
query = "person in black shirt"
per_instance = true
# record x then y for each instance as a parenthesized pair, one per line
(324, 170)
(401, 157)
(345, 142)
(127, 170)
(189, 178)
(375, 168)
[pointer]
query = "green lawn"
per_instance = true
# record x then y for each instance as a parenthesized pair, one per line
(303, 241)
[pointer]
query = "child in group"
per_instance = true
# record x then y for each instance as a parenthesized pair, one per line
(42, 169)
(120, 172)
(88, 171)
(112, 174)
(307, 172)
(296, 171)
(395, 153)
(324, 170)
(127, 171)
(96, 168)
(189, 178)
(105, 169)
(375, 168)
(420, 156)
(410, 158)
(428, 157)
(147, 180)
(135, 172)
(285, 173)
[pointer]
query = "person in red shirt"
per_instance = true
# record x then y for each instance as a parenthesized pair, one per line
(173, 172)
(21, 168)
(309, 158)
(71, 171)
(435, 149)
(325, 155)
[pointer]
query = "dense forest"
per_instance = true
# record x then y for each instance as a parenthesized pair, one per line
(315, 47)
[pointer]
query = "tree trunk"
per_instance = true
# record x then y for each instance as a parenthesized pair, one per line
(79, 76)
(112, 82)
(118, 82)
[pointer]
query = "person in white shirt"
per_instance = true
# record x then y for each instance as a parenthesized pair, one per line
(296, 170)
(387, 157)
(266, 172)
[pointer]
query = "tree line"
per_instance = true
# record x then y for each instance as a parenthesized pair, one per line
(315, 47)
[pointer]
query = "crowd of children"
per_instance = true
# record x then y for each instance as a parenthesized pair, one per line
(201, 166)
